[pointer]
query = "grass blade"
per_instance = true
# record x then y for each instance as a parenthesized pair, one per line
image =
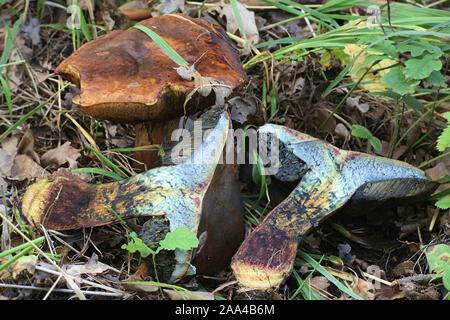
(7, 94)
(306, 279)
(25, 245)
(328, 275)
(29, 114)
(240, 22)
(107, 161)
(9, 43)
(102, 172)
(164, 46)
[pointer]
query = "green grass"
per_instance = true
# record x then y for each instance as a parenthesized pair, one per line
(31, 113)
(164, 46)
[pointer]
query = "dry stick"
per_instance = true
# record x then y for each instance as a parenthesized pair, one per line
(433, 220)
(87, 282)
(69, 280)
(98, 293)
(52, 287)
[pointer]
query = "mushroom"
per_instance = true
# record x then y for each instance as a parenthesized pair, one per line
(193, 194)
(330, 178)
(125, 77)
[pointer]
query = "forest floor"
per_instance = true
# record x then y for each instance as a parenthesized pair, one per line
(378, 255)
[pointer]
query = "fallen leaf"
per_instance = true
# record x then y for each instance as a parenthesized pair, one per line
(248, 20)
(320, 282)
(437, 172)
(364, 289)
(7, 156)
(60, 155)
(77, 270)
(342, 131)
(405, 268)
(352, 50)
(27, 263)
(192, 295)
(25, 168)
(241, 109)
(169, 6)
(31, 31)
(141, 287)
(26, 146)
(354, 102)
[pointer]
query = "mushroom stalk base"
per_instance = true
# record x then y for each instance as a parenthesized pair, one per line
(333, 177)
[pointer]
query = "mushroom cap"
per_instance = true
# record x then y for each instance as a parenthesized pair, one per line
(125, 77)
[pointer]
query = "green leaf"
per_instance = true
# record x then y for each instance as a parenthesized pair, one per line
(416, 48)
(376, 143)
(420, 68)
(438, 258)
(136, 244)
(388, 93)
(387, 47)
(436, 79)
(443, 140)
(164, 46)
(413, 103)
(443, 203)
(395, 79)
(361, 132)
(180, 238)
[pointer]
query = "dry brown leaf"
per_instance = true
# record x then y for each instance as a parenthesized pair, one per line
(405, 268)
(437, 172)
(320, 282)
(342, 131)
(26, 146)
(25, 168)
(6, 163)
(23, 263)
(181, 295)
(60, 155)
(141, 287)
(364, 289)
(77, 270)
(248, 19)
(355, 103)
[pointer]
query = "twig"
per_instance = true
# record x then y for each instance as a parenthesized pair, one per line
(69, 280)
(87, 292)
(84, 281)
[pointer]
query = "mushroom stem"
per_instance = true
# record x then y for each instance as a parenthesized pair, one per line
(176, 192)
(334, 176)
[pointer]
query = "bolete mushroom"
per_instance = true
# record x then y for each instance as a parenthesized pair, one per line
(330, 177)
(125, 77)
(193, 194)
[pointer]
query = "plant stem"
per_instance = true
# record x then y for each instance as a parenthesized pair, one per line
(396, 129)
(434, 159)
(37, 241)
(347, 95)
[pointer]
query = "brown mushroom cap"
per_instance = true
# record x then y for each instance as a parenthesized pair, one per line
(125, 77)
